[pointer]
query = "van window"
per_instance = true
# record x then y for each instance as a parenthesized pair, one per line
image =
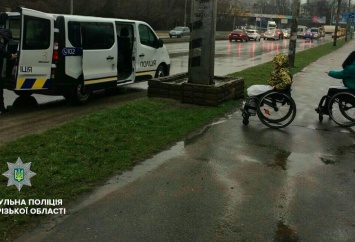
(97, 36)
(14, 26)
(74, 33)
(147, 37)
(37, 33)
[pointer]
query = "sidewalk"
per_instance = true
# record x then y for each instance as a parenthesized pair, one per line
(232, 182)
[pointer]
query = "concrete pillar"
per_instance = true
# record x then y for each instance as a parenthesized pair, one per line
(202, 42)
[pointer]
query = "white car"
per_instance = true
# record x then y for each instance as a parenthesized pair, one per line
(179, 32)
(253, 34)
(271, 34)
(316, 33)
(287, 33)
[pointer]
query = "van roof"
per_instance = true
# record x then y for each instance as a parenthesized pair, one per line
(92, 18)
(77, 17)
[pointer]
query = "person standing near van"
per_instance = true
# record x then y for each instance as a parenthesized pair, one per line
(5, 36)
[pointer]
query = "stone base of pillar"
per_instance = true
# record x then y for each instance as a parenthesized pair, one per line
(177, 87)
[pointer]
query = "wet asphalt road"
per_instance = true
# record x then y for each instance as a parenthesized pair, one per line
(231, 182)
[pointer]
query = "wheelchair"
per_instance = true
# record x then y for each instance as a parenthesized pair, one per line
(339, 104)
(275, 109)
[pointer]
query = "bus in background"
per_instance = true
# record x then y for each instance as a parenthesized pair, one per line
(271, 25)
(301, 31)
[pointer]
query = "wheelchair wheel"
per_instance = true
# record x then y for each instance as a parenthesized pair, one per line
(342, 109)
(276, 109)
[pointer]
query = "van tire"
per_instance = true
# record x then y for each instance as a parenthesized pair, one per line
(82, 95)
(161, 72)
(78, 95)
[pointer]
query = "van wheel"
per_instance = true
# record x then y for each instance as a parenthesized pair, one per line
(82, 95)
(160, 72)
(79, 95)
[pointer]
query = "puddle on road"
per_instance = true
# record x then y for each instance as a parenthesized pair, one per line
(345, 149)
(284, 233)
(339, 151)
(328, 161)
(280, 160)
(138, 171)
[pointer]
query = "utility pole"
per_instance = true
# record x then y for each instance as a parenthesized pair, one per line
(294, 27)
(336, 24)
(185, 13)
(261, 16)
(348, 24)
(71, 7)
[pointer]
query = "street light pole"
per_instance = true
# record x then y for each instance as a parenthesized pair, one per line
(294, 27)
(336, 25)
(185, 13)
(261, 16)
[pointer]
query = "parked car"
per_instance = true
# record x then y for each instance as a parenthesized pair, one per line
(271, 34)
(253, 34)
(280, 33)
(238, 34)
(316, 33)
(179, 32)
(287, 33)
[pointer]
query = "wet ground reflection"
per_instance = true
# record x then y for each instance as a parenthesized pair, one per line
(280, 159)
(284, 233)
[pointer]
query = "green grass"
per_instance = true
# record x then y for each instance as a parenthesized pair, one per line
(76, 157)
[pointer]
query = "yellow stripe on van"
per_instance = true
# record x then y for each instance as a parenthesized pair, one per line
(39, 83)
(32, 83)
(145, 73)
(20, 82)
(100, 80)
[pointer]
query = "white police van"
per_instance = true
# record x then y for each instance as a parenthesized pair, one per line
(74, 55)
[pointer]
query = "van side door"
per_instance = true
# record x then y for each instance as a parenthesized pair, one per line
(126, 49)
(147, 52)
(99, 45)
(36, 50)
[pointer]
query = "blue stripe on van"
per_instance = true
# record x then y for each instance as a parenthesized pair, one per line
(28, 83)
(47, 83)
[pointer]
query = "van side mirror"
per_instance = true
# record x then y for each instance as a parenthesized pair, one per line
(159, 43)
